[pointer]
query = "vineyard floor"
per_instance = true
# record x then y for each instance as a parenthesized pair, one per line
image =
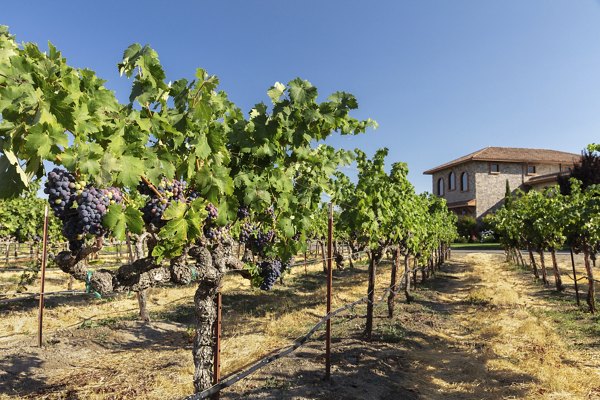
(480, 329)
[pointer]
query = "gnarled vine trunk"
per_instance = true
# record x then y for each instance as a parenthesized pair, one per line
(543, 266)
(414, 272)
(324, 255)
(409, 297)
(211, 263)
(591, 294)
(371, 297)
(557, 278)
(520, 257)
(393, 281)
(206, 316)
(533, 263)
(142, 298)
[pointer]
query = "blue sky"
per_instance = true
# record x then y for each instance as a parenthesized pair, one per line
(442, 78)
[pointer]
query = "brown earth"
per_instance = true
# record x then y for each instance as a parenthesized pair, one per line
(479, 330)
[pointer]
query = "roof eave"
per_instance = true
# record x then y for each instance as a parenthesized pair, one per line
(446, 166)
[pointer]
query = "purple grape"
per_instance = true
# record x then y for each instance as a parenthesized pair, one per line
(213, 213)
(270, 270)
(243, 213)
(156, 205)
(60, 196)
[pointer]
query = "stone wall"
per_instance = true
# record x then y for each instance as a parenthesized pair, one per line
(491, 187)
(452, 196)
(487, 188)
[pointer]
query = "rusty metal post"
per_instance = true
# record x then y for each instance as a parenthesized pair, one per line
(329, 292)
(574, 276)
(43, 278)
(217, 350)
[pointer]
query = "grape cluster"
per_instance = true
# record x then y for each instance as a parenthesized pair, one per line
(213, 213)
(80, 207)
(174, 189)
(193, 195)
(156, 204)
(254, 238)
(246, 232)
(270, 270)
(213, 232)
(61, 190)
(93, 205)
(153, 210)
(243, 212)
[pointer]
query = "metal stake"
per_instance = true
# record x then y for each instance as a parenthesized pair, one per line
(43, 278)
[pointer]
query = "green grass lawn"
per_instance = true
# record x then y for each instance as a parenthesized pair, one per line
(476, 246)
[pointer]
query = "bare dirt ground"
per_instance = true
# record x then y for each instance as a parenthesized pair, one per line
(479, 330)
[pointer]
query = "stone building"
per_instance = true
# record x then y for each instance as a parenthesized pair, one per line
(475, 184)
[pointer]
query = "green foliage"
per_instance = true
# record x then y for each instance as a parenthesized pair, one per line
(548, 220)
(593, 147)
(587, 172)
(466, 226)
(383, 210)
(185, 130)
(22, 218)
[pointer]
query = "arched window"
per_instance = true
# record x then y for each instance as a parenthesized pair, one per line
(464, 182)
(440, 188)
(451, 181)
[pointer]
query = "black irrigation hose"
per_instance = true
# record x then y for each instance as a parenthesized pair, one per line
(299, 342)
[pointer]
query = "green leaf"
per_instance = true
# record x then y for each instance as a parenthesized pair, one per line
(115, 220)
(201, 147)
(131, 170)
(285, 225)
(38, 141)
(176, 210)
(13, 181)
(176, 230)
(276, 91)
(89, 167)
(302, 91)
(118, 220)
(134, 220)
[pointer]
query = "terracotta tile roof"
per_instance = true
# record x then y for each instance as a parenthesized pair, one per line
(513, 154)
(553, 177)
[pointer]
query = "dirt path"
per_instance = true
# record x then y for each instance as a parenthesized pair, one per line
(481, 330)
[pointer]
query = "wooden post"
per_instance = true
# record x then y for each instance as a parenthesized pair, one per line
(43, 278)
(575, 277)
(329, 292)
(217, 352)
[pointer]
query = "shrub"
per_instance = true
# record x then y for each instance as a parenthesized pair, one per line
(467, 227)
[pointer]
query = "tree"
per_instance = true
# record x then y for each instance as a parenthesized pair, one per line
(380, 212)
(587, 172)
(179, 165)
(22, 217)
(582, 215)
(365, 212)
(547, 220)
